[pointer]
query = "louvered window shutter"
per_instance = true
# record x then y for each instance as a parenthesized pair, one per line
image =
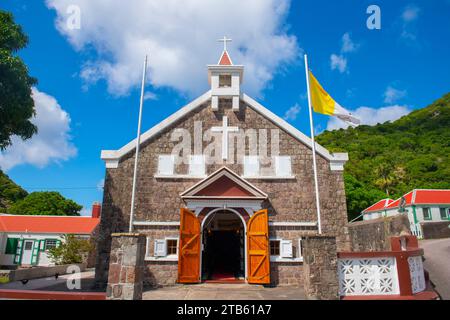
(283, 166)
(197, 165)
(286, 248)
(160, 248)
(166, 165)
(251, 166)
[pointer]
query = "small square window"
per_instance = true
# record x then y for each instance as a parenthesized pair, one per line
(251, 166)
(50, 244)
(426, 213)
(224, 81)
(166, 164)
(172, 245)
(444, 213)
(274, 247)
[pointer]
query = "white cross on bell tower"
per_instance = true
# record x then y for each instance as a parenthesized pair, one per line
(225, 79)
(225, 40)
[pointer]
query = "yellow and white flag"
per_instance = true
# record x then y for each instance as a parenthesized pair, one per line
(323, 103)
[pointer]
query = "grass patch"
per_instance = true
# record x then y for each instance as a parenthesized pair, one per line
(4, 280)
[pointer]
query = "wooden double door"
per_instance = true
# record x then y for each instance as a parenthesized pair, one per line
(258, 251)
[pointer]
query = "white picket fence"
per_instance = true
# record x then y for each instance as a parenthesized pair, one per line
(416, 230)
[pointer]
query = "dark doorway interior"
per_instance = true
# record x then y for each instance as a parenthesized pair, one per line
(223, 248)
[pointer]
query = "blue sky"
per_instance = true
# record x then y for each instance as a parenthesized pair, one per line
(93, 72)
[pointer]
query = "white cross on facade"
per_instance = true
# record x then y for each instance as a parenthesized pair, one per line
(225, 40)
(225, 129)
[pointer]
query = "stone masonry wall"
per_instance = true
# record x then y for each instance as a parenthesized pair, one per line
(320, 268)
(374, 235)
(159, 200)
(125, 279)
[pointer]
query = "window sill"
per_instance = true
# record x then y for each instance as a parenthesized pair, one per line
(179, 176)
(291, 260)
(167, 258)
(269, 177)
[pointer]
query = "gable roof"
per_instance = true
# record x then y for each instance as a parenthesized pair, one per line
(48, 224)
(378, 206)
(414, 197)
(112, 157)
(223, 183)
(225, 59)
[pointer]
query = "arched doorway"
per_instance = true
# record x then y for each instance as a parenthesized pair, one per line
(223, 246)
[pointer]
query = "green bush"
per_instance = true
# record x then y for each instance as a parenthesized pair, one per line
(71, 250)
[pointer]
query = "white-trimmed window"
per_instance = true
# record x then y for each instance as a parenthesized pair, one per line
(224, 80)
(166, 164)
(167, 247)
(281, 248)
(444, 212)
(251, 166)
(50, 243)
(426, 213)
(283, 167)
(300, 248)
(197, 165)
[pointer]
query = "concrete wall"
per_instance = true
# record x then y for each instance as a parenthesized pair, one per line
(374, 235)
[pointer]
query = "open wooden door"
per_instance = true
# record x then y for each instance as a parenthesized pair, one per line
(189, 248)
(258, 251)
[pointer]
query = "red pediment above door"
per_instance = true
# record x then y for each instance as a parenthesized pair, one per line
(224, 183)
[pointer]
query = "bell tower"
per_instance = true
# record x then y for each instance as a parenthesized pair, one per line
(225, 79)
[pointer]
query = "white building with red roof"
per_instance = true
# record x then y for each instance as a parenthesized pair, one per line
(421, 206)
(26, 239)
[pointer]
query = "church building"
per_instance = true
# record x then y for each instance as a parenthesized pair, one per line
(225, 191)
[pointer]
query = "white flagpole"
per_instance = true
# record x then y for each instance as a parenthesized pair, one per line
(316, 183)
(138, 142)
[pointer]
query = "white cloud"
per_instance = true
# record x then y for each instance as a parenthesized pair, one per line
(392, 95)
(371, 116)
(410, 13)
(292, 112)
(51, 143)
(409, 16)
(86, 212)
(180, 38)
(150, 96)
(347, 44)
(338, 62)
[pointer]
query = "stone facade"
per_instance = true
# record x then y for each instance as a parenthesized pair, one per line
(158, 199)
(126, 269)
(320, 268)
(375, 235)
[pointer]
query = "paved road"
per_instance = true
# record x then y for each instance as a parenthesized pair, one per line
(224, 292)
(52, 284)
(437, 262)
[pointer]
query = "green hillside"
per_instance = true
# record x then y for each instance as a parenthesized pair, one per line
(390, 159)
(9, 192)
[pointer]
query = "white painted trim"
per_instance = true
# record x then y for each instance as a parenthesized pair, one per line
(178, 176)
(337, 160)
(156, 223)
(248, 204)
(117, 154)
(291, 260)
(269, 177)
(292, 224)
(244, 225)
(162, 259)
